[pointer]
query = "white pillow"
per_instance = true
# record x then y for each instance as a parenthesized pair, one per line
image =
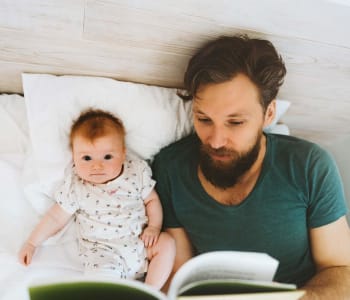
(153, 117)
(281, 108)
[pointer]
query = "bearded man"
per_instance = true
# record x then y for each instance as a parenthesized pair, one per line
(230, 186)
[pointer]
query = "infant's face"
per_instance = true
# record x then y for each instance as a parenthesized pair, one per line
(100, 160)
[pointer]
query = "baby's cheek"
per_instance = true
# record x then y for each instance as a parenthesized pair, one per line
(81, 171)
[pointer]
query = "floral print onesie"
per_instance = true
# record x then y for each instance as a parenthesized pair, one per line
(110, 217)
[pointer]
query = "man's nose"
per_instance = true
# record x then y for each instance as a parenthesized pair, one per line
(218, 138)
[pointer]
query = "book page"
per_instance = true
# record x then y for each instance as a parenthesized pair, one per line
(224, 264)
(290, 295)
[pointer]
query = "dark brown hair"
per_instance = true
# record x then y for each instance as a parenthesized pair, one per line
(222, 59)
(94, 123)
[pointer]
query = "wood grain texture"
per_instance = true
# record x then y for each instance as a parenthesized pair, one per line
(152, 41)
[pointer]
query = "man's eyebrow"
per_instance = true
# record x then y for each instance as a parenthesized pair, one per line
(198, 111)
(237, 115)
(234, 115)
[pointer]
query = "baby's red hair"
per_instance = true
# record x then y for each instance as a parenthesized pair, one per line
(94, 123)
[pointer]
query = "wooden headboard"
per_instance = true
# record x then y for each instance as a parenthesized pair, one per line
(151, 42)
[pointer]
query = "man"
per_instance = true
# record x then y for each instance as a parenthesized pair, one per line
(232, 187)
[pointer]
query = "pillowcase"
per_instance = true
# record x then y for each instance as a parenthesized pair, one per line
(281, 108)
(153, 118)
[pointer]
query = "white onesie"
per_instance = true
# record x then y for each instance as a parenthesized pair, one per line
(110, 217)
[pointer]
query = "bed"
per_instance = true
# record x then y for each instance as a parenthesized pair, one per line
(58, 57)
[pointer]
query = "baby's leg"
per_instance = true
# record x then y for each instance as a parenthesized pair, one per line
(103, 263)
(161, 257)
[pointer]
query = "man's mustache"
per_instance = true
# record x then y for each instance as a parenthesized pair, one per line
(218, 151)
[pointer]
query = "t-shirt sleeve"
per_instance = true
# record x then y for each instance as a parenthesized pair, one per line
(326, 192)
(147, 181)
(163, 188)
(65, 195)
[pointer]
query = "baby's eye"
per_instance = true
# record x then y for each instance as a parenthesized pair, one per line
(86, 157)
(108, 157)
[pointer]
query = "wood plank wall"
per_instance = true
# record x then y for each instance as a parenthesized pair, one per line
(151, 42)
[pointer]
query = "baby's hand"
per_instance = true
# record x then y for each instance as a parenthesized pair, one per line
(150, 236)
(26, 253)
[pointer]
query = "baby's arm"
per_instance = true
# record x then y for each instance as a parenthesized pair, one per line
(52, 222)
(155, 218)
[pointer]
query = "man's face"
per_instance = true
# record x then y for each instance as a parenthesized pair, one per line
(228, 119)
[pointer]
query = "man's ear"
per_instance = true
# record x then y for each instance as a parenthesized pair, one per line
(270, 113)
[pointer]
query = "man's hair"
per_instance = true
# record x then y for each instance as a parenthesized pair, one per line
(222, 59)
(95, 123)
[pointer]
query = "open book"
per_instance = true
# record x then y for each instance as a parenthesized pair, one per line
(213, 275)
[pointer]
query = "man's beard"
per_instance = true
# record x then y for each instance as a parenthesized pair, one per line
(226, 174)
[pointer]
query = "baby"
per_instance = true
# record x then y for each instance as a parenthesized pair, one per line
(118, 212)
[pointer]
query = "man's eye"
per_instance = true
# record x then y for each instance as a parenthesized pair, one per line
(86, 157)
(235, 123)
(203, 120)
(108, 156)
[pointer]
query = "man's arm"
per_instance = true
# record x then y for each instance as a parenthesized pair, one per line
(330, 246)
(184, 251)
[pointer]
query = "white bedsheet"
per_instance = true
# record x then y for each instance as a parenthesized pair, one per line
(57, 257)
(49, 262)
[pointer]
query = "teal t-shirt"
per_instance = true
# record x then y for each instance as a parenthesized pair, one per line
(299, 188)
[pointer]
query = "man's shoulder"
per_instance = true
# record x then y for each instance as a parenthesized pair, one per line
(292, 142)
(296, 147)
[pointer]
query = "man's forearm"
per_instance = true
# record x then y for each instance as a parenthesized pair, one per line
(330, 283)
